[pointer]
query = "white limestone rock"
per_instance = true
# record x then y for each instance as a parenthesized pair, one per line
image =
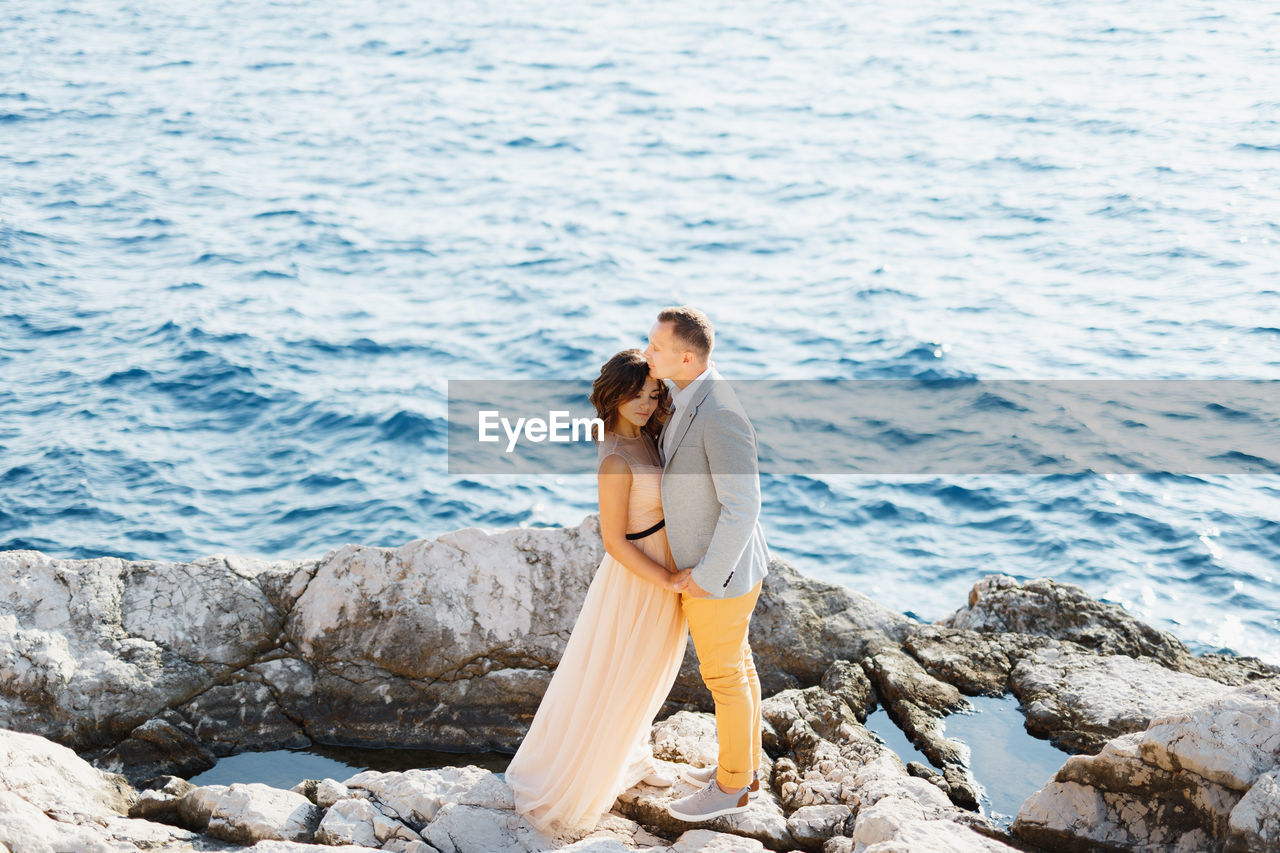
(1046, 607)
(53, 801)
(277, 846)
(350, 822)
(690, 737)
(879, 820)
(882, 778)
(479, 829)
(597, 845)
(446, 642)
(468, 592)
(613, 827)
(358, 821)
(834, 768)
(250, 812)
(835, 760)
(1115, 797)
(161, 804)
(1180, 785)
(475, 829)
(416, 796)
(102, 645)
(811, 826)
(399, 845)
(1231, 741)
(58, 782)
(763, 820)
(93, 646)
(130, 834)
(196, 806)
(24, 828)
(329, 791)
(1017, 615)
(1255, 821)
(710, 841)
(686, 737)
(155, 805)
(893, 825)
(1071, 814)
(1080, 700)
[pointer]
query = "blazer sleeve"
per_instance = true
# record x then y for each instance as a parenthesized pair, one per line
(730, 445)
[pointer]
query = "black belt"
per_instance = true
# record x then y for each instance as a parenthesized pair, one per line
(649, 532)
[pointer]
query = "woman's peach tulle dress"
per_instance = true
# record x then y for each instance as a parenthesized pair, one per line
(589, 741)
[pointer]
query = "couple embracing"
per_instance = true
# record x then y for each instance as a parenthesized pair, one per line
(679, 492)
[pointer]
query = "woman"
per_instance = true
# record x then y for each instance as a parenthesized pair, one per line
(589, 740)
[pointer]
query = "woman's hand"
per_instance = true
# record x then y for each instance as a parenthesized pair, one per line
(679, 581)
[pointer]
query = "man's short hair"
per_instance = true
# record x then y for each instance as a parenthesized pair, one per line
(691, 328)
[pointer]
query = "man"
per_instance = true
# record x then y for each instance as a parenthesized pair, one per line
(711, 503)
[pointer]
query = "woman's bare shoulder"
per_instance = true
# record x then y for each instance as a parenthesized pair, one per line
(614, 464)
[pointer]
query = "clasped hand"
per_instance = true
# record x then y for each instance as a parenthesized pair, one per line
(682, 581)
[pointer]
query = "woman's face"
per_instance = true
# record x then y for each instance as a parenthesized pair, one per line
(639, 408)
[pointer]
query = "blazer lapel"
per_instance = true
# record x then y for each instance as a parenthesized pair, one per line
(687, 417)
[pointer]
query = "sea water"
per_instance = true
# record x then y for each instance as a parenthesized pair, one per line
(244, 246)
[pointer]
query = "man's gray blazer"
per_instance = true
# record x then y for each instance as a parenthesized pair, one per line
(711, 492)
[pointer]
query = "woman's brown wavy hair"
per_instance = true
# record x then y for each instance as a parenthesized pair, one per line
(621, 378)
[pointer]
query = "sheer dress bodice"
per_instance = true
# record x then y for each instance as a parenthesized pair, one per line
(644, 503)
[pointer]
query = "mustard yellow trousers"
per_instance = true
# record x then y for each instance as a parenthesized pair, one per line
(718, 627)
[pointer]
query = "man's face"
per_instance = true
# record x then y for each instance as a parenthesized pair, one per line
(663, 353)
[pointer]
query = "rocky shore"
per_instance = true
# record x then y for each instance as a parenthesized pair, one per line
(120, 680)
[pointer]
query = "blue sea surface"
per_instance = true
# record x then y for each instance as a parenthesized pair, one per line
(1007, 763)
(244, 246)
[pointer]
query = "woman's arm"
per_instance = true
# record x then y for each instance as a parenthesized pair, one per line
(614, 483)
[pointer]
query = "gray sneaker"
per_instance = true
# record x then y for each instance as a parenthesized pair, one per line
(709, 802)
(703, 775)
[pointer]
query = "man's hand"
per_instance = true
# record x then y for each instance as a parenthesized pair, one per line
(678, 581)
(693, 589)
